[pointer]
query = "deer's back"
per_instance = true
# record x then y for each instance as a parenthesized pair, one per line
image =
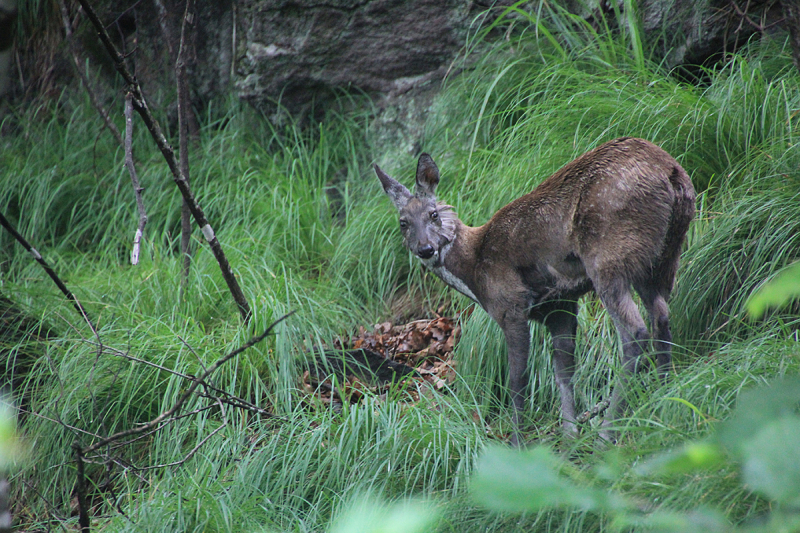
(609, 210)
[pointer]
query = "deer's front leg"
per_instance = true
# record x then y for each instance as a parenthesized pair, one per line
(518, 341)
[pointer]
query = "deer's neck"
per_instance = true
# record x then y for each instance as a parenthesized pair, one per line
(456, 261)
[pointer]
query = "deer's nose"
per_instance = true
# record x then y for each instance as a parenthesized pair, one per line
(426, 252)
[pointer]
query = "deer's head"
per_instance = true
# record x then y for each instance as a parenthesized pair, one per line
(427, 225)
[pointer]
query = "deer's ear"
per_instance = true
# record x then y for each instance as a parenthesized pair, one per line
(396, 191)
(427, 176)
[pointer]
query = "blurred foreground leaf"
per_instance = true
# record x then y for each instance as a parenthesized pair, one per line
(705, 520)
(528, 480)
(11, 450)
(777, 292)
(691, 457)
(764, 434)
(371, 515)
(772, 461)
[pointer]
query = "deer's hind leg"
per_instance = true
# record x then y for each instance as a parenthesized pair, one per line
(618, 301)
(655, 301)
(562, 323)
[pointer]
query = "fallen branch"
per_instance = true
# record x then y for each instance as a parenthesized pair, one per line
(137, 188)
(140, 105)
(597, 410)
(50, 272)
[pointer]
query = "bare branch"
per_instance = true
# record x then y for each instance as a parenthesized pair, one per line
(137, 188)
(60, 422)
(140, 105)
(50, 272)
(75, 50)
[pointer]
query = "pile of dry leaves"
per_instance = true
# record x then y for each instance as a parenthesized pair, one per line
(426, 346)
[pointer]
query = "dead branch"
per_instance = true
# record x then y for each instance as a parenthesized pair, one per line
(137, 188)
(179, 403)
(219, 394)
(50, 272)
(75, 50)
(140, 105)
(184, 109)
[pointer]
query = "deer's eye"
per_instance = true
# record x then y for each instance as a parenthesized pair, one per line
(403, 224)
(434, 215)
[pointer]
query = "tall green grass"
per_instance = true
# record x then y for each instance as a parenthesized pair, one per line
(307, 228)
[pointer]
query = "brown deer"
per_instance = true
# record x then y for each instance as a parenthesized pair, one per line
(615, 217)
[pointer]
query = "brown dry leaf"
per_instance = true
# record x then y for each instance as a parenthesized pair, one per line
(426, 345)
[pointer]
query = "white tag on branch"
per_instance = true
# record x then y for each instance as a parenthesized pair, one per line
(208, 232)
(135, 252)
(35, 254)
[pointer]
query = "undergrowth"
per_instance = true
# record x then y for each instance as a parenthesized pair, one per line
(307, 229)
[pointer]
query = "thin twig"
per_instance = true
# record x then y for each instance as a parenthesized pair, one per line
(140, 104)
(50, 272)
(186, 457)
(744, 17)
(197, 447)
(59, 422)
(137, 188)
(189, 347)
(163, 423)
(75, 50)
(51, 508)
(179, 403)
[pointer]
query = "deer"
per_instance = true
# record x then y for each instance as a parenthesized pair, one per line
(613, 219)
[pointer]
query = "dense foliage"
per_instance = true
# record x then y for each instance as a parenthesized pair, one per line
(307, 228)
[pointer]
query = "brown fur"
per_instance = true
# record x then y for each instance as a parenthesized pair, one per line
(615, 217)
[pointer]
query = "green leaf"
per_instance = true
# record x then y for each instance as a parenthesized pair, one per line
(777, 292)
(528, 480)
